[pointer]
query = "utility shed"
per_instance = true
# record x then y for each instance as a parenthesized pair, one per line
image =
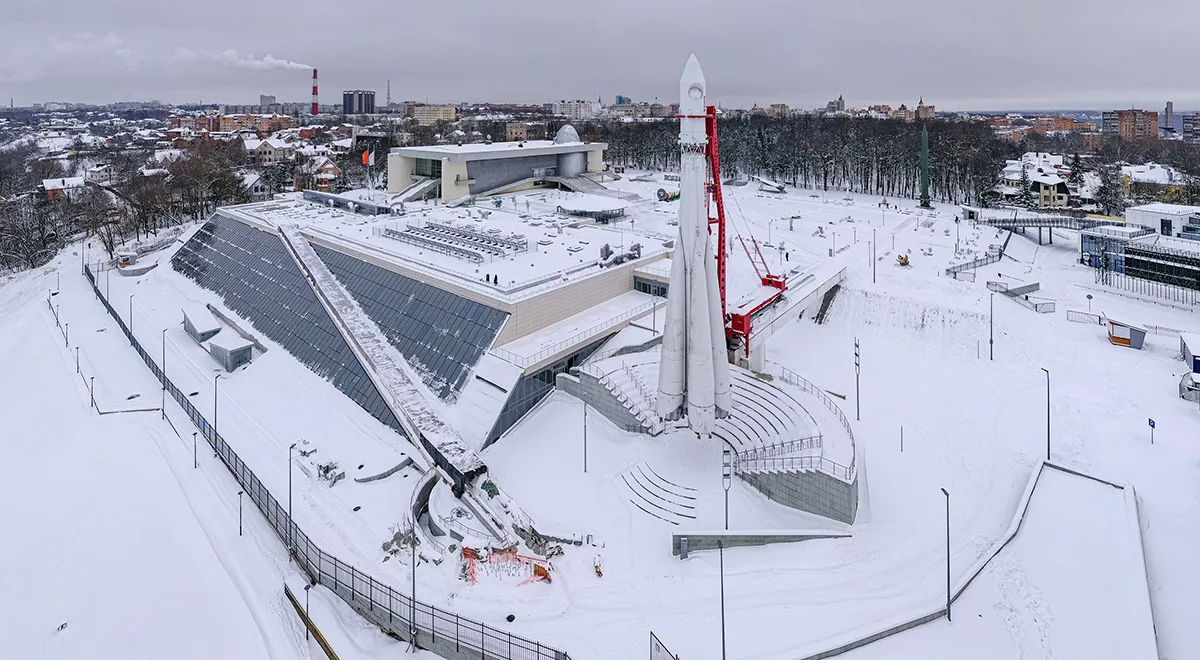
(1123, 334)
(231, 350)
(1189, 348)
(200, 323)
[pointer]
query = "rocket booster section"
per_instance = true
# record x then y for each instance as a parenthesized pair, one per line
(694, 373)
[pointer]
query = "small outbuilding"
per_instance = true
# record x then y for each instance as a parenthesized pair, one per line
(231, 350)
(200, 323)
(1124, 334)
(1189, 348)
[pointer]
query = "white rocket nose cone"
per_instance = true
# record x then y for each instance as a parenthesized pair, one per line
(692, 88)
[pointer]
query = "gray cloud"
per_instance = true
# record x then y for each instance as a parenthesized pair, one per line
(958, 55)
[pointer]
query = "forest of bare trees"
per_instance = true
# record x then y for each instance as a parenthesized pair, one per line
(830, 153)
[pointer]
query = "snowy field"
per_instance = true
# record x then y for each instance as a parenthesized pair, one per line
(971, 425)
(1064, 588)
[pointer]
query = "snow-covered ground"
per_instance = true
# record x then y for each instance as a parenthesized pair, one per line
(971, 425)
(1066, 587)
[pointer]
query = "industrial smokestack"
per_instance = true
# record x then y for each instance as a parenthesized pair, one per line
(314, 101)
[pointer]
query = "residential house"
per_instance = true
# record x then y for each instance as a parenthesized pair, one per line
(253, 187)
(268, 152)
(1151, 180)
(318, 174)
(1047, 175)
(520, 131)
(71, 187)
(101, 174)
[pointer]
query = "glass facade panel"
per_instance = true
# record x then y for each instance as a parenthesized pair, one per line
(534, 387)
(256, 277)
(442, 335)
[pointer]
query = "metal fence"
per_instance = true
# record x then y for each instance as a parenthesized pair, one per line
(792, 378)
(1151, 288)
(798, 463)
(388, 608)
(1084, 317)
(982, 261)
(781, 448)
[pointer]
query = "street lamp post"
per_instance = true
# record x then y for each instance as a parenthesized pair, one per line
(991, 327)
(857, 371)
(164, 373)
(194, 462)
(1047, 412)
(214, 422)
(412, 601)
(240, 512)
(726, 479)
(585, 406)
(92, 390)
(291, 548)
(721, 551)
(307, 588)
(874, 247)
(947, 494)
(131, 319)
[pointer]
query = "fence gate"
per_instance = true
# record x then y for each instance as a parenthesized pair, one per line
(658, 651)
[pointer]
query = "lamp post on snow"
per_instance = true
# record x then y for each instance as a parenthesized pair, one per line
(240, 512)
(726, 480)
(131, 319)
(1047, 412)
(307, 588)
(291, 548)
(164, 373)
(721, 551)
(947, 494)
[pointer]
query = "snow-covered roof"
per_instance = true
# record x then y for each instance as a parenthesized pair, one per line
(249, 179)
(1152, 173)
(230, 341)
(201, 318)
(485, 151)
(63, 184)
(167, 155)
(1166, 209)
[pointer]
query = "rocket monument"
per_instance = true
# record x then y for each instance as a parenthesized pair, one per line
(693, 377)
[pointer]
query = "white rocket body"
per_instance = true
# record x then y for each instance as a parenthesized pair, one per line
(693, 377)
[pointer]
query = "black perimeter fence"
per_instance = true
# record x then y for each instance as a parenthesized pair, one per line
(445, 632)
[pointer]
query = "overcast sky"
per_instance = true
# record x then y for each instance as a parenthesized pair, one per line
(958, 54)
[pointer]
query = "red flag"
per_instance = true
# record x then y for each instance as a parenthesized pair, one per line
(368, 159)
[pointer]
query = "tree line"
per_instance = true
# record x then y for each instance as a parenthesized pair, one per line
(873, 156)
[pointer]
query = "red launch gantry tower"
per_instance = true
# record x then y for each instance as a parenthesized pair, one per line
(737, 322)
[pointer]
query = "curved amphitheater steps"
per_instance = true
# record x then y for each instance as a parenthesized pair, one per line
(763, 414)
(658, 497)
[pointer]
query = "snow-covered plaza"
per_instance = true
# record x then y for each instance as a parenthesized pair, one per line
(123, 545)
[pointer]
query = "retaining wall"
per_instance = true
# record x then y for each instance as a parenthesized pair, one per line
(698, 541)
(812, 491)
(589, 389)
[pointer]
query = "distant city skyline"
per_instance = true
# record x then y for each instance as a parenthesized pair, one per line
(755, 52)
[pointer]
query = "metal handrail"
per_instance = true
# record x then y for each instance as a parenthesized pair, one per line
(792, 378)
(817, 463)
(526, 361)
(780, 448)
(378, 602)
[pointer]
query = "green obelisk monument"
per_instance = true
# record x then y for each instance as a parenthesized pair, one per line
(925, 168)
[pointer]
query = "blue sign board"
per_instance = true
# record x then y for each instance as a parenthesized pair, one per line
(1152, 423)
